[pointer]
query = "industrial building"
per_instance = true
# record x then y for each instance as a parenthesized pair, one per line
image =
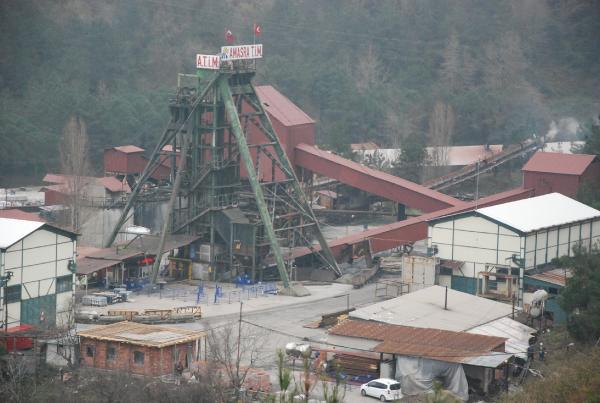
(37, 265)
(140, 349)
(498, 244)
(548, 172)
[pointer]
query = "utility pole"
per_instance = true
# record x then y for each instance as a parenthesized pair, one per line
(237, 361)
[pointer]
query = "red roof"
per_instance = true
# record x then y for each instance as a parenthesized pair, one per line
(559, 163)
(112, 184)
(443, 345)
(19, 215)
(281, 108)
(129, 149)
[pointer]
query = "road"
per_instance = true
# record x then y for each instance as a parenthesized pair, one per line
(281, 325)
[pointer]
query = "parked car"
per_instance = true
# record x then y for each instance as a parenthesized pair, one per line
(383, 389)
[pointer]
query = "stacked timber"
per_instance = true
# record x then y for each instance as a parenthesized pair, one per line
(354, 365)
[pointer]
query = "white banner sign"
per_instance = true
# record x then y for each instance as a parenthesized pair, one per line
(241, 52)
(211, 62)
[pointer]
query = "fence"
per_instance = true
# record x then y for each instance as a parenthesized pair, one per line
(202, 295)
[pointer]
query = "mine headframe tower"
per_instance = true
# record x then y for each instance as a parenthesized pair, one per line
(216, 140)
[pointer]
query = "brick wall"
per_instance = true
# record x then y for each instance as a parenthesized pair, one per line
(156, 361)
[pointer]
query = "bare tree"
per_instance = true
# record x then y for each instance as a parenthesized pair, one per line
(235, 350)
(441, 131)
(74, 155)
(15, 378)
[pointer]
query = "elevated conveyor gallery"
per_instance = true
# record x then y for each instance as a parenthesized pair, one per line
(371, 180)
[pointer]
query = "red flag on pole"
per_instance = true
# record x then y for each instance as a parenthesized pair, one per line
(229, 38)
(257, 30)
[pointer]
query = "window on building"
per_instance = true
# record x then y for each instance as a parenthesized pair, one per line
(89, 351)
(111, 353)
(138, 357)
(13, 293)
(64, 284)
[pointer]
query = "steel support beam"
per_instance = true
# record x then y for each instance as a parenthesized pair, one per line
(246, 157)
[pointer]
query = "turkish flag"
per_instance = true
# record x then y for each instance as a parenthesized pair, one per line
(257, 30)
(229, 38)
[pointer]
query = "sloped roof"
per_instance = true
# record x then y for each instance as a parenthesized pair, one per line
(554, 276)
(12, 230)
(61, 183)
(19, 215)
(141, 334)
(559, 163)
(281, 108)
(425, 308)
(518, 334)
(549, 210)
(442, 345)
(129, 149)
(112, 184)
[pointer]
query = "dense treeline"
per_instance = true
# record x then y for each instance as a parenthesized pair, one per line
(462, 71)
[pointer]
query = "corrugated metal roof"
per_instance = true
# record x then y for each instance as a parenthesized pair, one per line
(88, 266)
(129, 149)
(141, 334)
(559, 163)
(518, 334)
(425, 308)
(554, 276)
(19, 215)
(549, 210)
(144, 245)
(436, 344)
(281, 108)
(112, 184)
(12, 230)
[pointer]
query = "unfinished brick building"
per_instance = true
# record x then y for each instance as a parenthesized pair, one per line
(141, 349)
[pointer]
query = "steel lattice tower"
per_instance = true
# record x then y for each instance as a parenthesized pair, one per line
(218, 193)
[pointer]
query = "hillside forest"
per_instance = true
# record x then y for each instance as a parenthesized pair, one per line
(396, 72)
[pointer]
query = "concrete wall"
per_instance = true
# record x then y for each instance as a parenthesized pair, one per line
(97, 224)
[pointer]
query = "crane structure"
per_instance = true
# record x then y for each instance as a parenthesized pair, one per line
(217, 137)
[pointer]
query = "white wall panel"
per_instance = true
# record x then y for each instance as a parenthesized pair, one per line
(41, 237)
(14, 312)
(65, 251)
(39, 272)
(42, 254)
(441, 235)
(17, 246)
(475, 224)
(12, 259)
(509, 243)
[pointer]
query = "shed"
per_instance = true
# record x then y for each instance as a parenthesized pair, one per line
(140, 349)
(420, 355)
(130, 160)
(548, 172)
(510, 238)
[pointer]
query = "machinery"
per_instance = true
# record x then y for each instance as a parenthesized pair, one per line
(216, 143)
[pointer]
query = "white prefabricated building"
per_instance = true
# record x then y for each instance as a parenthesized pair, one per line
(40, 261)
(522, 235)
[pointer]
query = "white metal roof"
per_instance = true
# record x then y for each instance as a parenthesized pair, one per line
(425, 308)
(549, 210)
(12, 231)
(518, 334)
